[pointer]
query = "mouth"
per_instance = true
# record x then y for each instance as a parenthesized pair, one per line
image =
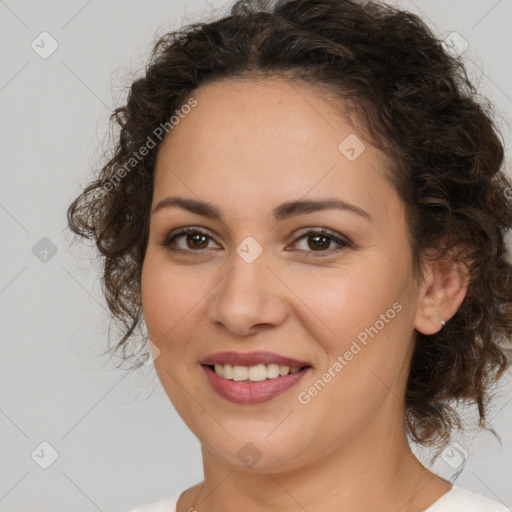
(255, 384)
(255, 373)
(249, 359)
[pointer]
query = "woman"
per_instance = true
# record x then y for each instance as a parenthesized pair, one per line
(307, 209)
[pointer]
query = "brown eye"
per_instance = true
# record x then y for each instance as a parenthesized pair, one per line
(320, 241)
(195, 240)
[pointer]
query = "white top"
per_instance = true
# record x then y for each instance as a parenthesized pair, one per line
(455, 500)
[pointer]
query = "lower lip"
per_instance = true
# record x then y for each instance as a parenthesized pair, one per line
(242, 392)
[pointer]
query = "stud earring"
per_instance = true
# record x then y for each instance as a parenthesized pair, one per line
(443, 323)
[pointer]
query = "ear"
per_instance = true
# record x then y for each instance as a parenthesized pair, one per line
(441, 293)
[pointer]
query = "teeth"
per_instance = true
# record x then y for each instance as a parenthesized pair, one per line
(240, 373)
(255, 373)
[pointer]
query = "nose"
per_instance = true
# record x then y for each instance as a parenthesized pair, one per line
(250, 298)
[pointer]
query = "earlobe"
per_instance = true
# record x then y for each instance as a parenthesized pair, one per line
(441, 294)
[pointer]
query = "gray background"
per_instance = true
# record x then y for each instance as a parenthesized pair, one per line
(119, 441)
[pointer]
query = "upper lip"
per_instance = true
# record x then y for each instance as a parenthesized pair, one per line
(252, 359)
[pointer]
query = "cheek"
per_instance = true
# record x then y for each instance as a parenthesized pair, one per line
(162, 312)
(173, 302)
(154, 298)
(358, 314)
(345, 301)
(168, 314)
(166, 297)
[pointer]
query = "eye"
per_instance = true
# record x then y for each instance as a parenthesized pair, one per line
(318, 240)
(196, 240)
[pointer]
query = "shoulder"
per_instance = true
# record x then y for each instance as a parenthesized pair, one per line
(462, 500)
(162, 505)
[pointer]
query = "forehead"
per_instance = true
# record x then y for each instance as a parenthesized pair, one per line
(273, 113)
(266, 141)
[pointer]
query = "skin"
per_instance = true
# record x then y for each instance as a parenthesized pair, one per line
(246, 147)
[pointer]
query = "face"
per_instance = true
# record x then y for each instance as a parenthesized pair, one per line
(341, 302)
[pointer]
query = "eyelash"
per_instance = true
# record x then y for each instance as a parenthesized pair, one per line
(342, 243)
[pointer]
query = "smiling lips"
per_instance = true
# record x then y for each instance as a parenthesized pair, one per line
(251, 359)
(254, 377)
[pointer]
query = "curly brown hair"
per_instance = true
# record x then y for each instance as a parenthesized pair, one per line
(416, 104)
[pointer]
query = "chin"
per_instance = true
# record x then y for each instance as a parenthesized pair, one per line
(257, 453)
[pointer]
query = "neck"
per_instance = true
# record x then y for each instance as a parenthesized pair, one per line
(375, 470)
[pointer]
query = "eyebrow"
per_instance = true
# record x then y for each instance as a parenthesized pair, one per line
(279, 213)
